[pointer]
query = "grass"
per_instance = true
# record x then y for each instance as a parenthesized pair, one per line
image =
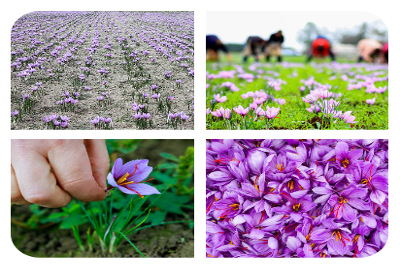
(293, 114)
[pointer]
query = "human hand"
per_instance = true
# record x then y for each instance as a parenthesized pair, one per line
(50, 172)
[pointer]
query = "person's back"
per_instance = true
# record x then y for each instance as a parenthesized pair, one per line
(273, 46)
(321, 48)
(369, 50)
(213, 45)
(253, 46)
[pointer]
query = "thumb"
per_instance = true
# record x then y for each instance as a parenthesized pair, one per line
(99, 159)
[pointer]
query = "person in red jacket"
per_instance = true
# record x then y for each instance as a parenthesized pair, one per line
(321, 48)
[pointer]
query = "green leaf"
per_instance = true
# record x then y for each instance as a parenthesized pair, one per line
(169, 157)
(170, 202)
(73, 220)
(162, 177)
(167, 165)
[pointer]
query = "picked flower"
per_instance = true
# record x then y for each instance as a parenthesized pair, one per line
(129, 177)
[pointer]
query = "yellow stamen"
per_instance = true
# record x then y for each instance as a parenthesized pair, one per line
(234, 206)
(345, 163)
(297, 207)
(123, 178)
(131, 182)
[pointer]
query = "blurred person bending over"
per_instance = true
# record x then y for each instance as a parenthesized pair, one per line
(253, 47)
(213, 46)
(370, 50)
(321, 48)
(273, 46)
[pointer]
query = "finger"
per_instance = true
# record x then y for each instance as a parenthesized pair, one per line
(16, 196)
(36, 182)
(70, 163)
(99, 160)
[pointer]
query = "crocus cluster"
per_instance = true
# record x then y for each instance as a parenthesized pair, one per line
(142, 120)
(102, 123)
(177, 118)
(56, 122)
(67, 102)
(296, 198)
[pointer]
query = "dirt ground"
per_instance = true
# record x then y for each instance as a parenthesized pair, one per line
(161, 27)
(168, 241)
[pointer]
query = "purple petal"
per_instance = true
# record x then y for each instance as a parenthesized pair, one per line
(272, 243)
(293, 243)
(111, 181)
(144, 189)
(116, 169)
(341, 150)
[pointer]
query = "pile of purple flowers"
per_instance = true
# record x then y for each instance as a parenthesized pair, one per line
(296, 198)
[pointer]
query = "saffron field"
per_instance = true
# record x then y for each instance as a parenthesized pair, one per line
(102, 70)
(297, 95)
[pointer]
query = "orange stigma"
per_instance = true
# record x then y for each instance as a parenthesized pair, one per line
(280, 167)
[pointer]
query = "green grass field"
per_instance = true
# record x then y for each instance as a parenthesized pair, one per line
(337, 77)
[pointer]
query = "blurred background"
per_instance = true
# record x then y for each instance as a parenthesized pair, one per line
(343, 29)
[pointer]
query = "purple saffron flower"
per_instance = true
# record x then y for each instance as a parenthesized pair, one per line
(219, 99)
(271, 112)
(129, 177)
(370, 101)
(241, 111)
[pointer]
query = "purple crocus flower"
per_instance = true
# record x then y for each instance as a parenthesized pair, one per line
(129, 177)
(241, 111)
(219, 98)
(25, 96)
(95, 121)
(370, 101)
(271, 112)
(64, 118)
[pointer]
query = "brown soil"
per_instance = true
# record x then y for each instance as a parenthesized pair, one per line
(169, 241)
